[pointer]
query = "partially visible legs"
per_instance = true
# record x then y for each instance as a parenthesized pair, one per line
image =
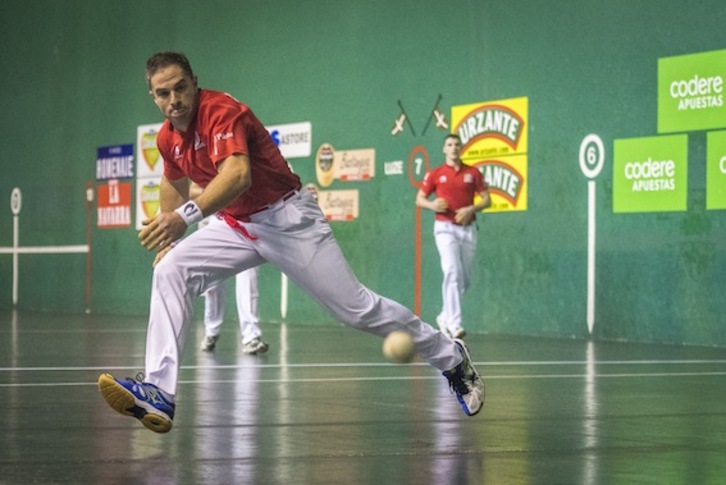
(457, 249)
(199, 262)
(214, 304)
(298, 239)
(247, 295)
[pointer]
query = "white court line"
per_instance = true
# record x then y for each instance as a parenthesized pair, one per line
(378, 378)
(83, 248)
(375, 364)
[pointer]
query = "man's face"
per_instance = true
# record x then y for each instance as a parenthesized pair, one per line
(175, 93)
(452, 148)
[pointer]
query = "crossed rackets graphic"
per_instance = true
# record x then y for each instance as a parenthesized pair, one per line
(436, 114)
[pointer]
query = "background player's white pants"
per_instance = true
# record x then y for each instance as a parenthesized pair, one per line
(294, 236)
(457, 248)
(246, 296)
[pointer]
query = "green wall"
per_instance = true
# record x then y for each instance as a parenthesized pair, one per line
(72, 81)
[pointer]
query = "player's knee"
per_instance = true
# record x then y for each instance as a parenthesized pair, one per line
(452, 277)
(361, 314)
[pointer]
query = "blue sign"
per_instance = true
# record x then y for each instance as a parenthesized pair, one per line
(115, 162)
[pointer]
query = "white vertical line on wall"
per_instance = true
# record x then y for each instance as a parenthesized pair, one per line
(591, 242)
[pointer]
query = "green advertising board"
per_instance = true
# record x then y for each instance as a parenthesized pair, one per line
(650, 174)
(691, 92)
(716, 170)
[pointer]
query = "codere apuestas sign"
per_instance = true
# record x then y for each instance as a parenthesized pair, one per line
(691, 92)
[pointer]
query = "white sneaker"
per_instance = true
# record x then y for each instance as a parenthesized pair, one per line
(466, 383)
(255, 346)
(209, 343)
(458, 332)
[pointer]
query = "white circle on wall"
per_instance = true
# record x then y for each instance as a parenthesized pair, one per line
(16, 201)
(592, 155)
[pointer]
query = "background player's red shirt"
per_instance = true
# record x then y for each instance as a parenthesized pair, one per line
(224, 126)
(456, 187)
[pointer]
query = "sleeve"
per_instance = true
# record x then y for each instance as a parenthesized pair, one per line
(479, 182)
(171, 168)
(227, 133)
(427, 185)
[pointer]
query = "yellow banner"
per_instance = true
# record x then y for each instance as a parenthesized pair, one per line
(491, 128)
(507, 180)
(494, 140)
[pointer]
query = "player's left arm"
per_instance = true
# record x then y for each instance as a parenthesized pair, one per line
(485, 200)
(466, 215)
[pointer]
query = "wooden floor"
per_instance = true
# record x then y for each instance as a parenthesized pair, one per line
(322, 407)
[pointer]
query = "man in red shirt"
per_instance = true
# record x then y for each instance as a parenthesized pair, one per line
(214, 140)
(454, 185)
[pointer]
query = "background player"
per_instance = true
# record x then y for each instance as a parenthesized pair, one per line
(218, 142)
(246, 297)
(454, 185)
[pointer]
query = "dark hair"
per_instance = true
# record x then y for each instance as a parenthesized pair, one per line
(452, 135)
(164, 59)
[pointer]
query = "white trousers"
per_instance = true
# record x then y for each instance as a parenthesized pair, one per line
(457, 248)
(246, 297)
(294, 236)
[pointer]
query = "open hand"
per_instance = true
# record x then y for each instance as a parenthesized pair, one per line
(162, 230)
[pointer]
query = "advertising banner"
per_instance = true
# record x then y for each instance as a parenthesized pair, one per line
(650, 174)
(691, 92)
(293, 139)
(114, 204)
(716, 170)
(494, 139)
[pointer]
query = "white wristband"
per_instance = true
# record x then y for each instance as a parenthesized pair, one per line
(190, 212)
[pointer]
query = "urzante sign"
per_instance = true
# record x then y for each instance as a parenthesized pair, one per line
(494, 139)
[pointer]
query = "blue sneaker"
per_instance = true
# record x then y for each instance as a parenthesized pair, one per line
(144, 401)
(466, 383)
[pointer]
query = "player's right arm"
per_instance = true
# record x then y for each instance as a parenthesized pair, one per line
(437, 205)
(168, 226)
(232, 179)
(173, 193)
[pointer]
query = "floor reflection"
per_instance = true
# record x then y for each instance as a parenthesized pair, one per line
(590, 420)
(226, 419)
(322, 407)
(452, 434)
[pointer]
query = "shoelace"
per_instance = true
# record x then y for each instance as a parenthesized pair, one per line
(147, 391)
(138, 383)
(457, 384)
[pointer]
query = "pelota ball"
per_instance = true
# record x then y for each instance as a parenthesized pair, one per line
(398, 347)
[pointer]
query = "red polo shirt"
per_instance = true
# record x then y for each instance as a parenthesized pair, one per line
(224, 126)
(458, 188)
